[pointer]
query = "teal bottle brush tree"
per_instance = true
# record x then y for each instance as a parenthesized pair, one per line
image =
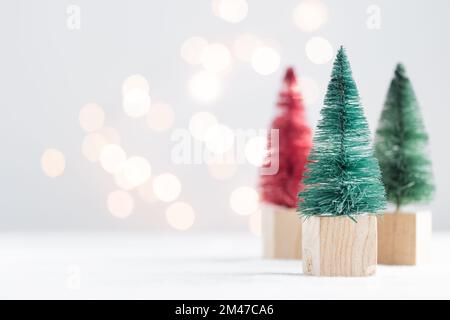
(343, 188)
(401, 146)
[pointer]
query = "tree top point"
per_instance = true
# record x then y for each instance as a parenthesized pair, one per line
(289, 78)
(400, 70)
(341, 56)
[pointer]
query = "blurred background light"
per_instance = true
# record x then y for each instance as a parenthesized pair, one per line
(222, 167)
(219, 138)
(136, 103)
(136, 170)
(254, 223)
(92, 145)
(112, 158)
(200, 122)
(145, 191)
(120, 203)
(222, 171)
(244, 200)
(310, 15)
(122, 181)
(256, 150)
(215, 4)
(160, 117)
(111, 135)
(244, 46)
(135, 82)
(192, 49)
(53, 163)
(91, 117)
(216, 57)
(180, 215)
(167, 187)
(232, 11)
(309, 90)
(265, 60)
(319, 50)
(204, 86)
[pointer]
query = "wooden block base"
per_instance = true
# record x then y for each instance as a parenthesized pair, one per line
(404, 238)
(281, 232)
(338, 246)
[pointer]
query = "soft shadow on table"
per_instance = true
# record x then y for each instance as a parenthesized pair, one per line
(190, 259)
(289, 274)
(207, 277)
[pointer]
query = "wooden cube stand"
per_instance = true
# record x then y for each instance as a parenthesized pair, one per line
(404, 238)
(281, 232)
(338, 246)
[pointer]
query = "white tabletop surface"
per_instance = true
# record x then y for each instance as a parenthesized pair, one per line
(99, 265)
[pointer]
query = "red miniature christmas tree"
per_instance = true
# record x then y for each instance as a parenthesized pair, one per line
(295, 142)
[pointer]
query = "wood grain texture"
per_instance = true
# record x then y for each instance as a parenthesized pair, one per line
(338, 246)
(281, 231)
(404, 238)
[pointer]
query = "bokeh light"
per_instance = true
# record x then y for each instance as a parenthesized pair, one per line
(222, 167)
(180, 215)
(265, 60)
(222, 171)
(111, 135)
(192, 49)
(136, 170)
(310, 15)
(53, 162)
(167, 187)
(309, 90)
(254, 223)
(216, 57)
(256, 150)
(244, 200)
(200, 123)
(145, 191)
(120, 203)
(160, 117)
(112, 158)
(244, 46)
(204, 86)
(122, 181)
(215, 7)
(136, 103)
(92, 145)
(219, 139)
(135, 82)
(232, 11)
(91, 117)
(319, 50)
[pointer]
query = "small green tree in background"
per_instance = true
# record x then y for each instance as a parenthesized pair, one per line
(401, 145)
(343, 177)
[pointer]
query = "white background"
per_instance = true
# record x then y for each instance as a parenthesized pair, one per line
(48, 72)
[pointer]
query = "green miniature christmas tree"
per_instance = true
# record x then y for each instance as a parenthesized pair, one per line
(401, 145)
(343, 177)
